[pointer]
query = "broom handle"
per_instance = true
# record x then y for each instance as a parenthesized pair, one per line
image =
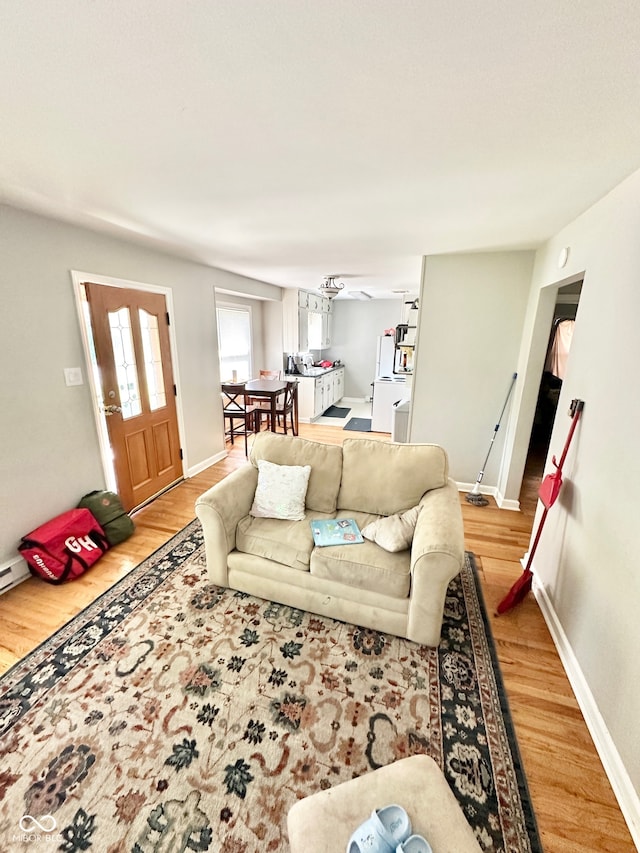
(543, 518)
(576, 408)
(495, 432)
(513, 379)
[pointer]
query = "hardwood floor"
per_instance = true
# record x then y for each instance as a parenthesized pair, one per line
(573, 801)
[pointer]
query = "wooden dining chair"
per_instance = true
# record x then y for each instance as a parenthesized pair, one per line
(242, 417)
(285, 408)
(263, 407)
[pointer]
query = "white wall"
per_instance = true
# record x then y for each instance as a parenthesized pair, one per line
(272, 326)
(50, 454)
(355, 327)
(587, 559)
(472, 309)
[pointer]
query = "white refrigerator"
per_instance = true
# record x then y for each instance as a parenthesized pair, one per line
(385, 354)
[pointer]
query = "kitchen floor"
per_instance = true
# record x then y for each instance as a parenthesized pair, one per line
(356, 410)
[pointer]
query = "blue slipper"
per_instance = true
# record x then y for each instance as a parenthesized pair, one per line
(414, 844)
(382, 833)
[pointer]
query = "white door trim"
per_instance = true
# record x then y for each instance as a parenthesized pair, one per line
(78, 278)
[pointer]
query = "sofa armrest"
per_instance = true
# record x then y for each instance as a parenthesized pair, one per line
(437, 555)
(219, 510)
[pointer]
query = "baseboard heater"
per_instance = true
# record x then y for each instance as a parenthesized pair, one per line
(13, 572)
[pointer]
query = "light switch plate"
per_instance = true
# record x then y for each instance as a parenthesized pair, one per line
(73, 376)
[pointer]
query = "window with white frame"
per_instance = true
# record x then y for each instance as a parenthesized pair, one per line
(234, 343)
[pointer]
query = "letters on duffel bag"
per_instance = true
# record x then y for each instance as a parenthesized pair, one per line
(65, 547)
(108, 510)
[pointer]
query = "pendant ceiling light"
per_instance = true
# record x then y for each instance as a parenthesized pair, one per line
(330, 287)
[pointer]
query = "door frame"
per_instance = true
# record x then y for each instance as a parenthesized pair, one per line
(78, 278)
(534, 342)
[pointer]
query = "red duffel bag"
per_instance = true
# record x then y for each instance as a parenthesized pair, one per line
(65, 547)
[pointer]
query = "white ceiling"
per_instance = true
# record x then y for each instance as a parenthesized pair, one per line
(289, 139)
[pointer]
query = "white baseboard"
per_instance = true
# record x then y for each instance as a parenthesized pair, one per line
(13, 572)
(623, 789)
(207, 463)
(504, 503)
(355, 399)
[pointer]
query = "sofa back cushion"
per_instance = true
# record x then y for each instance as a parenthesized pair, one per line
(386, 478)
(325, 461)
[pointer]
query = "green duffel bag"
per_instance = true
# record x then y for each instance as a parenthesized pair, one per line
(108, 511)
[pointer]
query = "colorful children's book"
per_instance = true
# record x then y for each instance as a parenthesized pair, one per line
(336, 531)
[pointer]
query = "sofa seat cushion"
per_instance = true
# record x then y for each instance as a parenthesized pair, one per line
(364, 566)
(286, 542)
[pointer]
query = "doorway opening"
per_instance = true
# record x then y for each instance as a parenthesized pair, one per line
(558, 349)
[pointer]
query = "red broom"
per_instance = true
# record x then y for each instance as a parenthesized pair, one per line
(548, 494)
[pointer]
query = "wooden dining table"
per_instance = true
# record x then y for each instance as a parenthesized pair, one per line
(270, 389)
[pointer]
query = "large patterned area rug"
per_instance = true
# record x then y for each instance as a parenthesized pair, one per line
(174, 715)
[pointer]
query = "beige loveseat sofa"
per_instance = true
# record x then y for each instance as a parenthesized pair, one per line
(400, 593)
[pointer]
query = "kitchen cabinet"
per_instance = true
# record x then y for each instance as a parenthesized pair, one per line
(318, 398)
(314, 302)
(338, 392)
(306, 321)
(309, 398)
(325, 330)
(327, 391)
(303, 331)
(291, 320)
(317, 393)
(334, 387)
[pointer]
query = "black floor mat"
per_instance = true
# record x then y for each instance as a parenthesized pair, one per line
(336, 412)
(359, 424)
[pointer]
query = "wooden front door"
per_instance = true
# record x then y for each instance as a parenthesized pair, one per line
(131, 338)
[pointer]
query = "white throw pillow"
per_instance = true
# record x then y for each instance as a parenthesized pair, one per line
(281, 491)
(395, 532)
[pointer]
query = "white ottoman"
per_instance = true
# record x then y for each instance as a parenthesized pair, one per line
(323, 822)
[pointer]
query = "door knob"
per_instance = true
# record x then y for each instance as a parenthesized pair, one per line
(111, 410)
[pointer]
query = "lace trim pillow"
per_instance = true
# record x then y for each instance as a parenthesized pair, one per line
(395, 532)
(281, 491)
